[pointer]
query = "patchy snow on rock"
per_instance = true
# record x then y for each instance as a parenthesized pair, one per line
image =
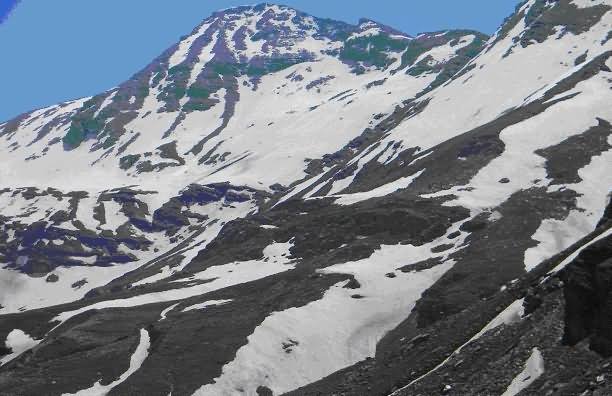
(136, 360)
(348, 326)
(450, 112)
(184, 46)
(556, 235)
(218, 214)
(22, 292)
(588, 3)
(287, 123)
(164, 273)
(107, 101)
(514, 313)
(19, 342)
(575, 254)
(205, 56)
(276, 259)
(534, 368)
(85, 211)
(31, 210)
(520, 164)
(301, 187)
(372, 31)
(443, 53)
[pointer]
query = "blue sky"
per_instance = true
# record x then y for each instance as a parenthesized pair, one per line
(58, 50)
(5, 8)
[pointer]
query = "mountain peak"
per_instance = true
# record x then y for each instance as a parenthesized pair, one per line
(240, 45)
(258, 9)
(375, 27)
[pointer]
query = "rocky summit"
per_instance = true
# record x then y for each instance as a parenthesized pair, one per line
(284, 204)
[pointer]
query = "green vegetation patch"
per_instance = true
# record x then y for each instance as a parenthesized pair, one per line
(372, 50)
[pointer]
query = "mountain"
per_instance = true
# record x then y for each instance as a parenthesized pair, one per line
(286, 204)
(237, 106)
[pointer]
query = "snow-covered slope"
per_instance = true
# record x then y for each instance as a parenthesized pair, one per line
(278, 197)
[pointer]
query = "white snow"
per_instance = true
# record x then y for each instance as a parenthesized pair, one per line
(136, 360)
(113, 215)
(400, 184)
(204, 305)
(19, 342)
(534, 368)
(521, 165)
(166, 311)
(85, 212)
(286, 132)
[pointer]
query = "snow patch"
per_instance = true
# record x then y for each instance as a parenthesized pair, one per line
(19, 342)
(204, 305)
(384, 190)
(166, 311)
(534, 368)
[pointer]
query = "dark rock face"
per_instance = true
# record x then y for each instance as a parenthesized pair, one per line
(544, 16)
(31, 252)
(565, 159)
(264, 391)
(588, 295)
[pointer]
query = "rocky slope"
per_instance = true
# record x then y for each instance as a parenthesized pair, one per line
(286, 204)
